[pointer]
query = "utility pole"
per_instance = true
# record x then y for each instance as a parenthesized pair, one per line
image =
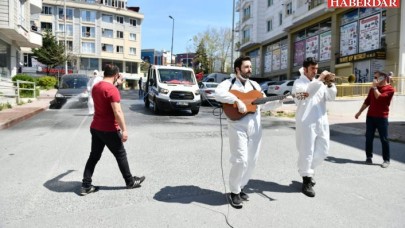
(64, 14)
(233, 31)
(171, 52)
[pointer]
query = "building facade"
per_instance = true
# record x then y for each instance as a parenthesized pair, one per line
(94, 32)
(15, 34)
(279, 35)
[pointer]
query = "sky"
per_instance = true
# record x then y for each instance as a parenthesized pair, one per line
(190, 18)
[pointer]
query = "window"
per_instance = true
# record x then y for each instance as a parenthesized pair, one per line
(246, 36)
(88, 32)
(46, 26)
(132, 51)
(120, 49)
(120, 19)
(288, 8)
(269, 3)
(120, 34)
(47, 10)
(280, 18)
(246, 13)
(69, 14)
(113, 3)
(107, 18)
(88, 47)
(69, 29)
(132, 22)
(107, 48)
(88, 64)
(131, 67)
(132, 36)
(107, 33)
(69, 44)
(88, 16)
(269, 25)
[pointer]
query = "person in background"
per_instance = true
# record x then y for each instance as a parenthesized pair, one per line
(140, 94)
(378, 102)
(311, 120)
(93, 80)
(108, 128)
(245, 134)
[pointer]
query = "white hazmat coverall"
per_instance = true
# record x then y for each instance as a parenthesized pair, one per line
(312, 126)
(90, 103)
(244, 135)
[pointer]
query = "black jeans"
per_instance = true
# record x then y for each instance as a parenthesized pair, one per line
(100, 139)
(381, 124)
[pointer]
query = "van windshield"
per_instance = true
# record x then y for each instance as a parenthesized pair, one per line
(176, 76)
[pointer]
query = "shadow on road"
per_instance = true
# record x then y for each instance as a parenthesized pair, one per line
(260, 186)
(189, 193)
(56, 185)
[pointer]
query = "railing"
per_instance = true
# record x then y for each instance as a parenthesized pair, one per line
(346, 89)
(20, 89)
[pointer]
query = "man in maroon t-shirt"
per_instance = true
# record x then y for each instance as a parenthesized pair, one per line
(108, 129)
(378, 100)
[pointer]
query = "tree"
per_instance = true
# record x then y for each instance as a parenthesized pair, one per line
(200, 60)
(217, 43)
(51, 53)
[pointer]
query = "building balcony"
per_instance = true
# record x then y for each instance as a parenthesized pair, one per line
(35, 6)
(237, 27)
(22, 37)
(237, 6)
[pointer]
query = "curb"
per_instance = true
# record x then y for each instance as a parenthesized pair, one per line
(19, 119)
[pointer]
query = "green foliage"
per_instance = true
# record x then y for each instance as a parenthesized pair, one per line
(47, 82)
(51, 53)
(201, 58)
(25, 77)
(5, 106)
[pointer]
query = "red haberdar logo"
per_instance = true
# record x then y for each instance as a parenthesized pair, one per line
(363, 3)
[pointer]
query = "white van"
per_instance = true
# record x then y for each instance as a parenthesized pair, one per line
(170, 88)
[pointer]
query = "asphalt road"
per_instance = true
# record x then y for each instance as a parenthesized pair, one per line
(42, 160)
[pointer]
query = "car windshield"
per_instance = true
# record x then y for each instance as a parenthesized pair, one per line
(176, 76)
(73, 83)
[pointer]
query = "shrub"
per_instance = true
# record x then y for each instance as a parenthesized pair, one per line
(47, 82)
(24, 77)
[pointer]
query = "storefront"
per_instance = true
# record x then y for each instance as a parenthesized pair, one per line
(276, 59)
(5, 57)
(362, 43)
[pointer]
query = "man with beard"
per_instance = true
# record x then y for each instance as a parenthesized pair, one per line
(245, 134)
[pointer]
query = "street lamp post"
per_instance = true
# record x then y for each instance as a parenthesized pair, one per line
(171, 52)
(187, 53)
(64, 26)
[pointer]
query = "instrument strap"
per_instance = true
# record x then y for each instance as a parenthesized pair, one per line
(233, 81)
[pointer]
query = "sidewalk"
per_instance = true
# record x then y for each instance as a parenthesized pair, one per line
(18, 113)
(341, 117)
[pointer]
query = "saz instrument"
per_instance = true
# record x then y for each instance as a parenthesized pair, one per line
(251, 100)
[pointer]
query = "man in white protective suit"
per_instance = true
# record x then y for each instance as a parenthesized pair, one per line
(312, 127)
(245, 134)
(93, 80)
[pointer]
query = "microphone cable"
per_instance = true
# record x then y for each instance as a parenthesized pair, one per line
(222, 150)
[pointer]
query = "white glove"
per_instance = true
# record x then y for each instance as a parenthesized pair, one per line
(241, 106)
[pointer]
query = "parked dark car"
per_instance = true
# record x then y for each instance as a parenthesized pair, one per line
(71, 87)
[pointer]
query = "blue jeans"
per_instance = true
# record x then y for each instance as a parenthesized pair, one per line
(100, 139)
(381, 124)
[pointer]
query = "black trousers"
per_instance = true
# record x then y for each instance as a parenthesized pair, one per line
(100, 139)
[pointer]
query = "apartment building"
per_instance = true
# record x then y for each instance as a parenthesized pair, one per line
(15, 33)
(95, 32)
(279, 35)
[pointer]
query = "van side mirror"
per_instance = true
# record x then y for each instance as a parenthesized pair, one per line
(151, 81)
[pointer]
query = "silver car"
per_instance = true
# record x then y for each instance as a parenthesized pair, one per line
(207, 91)
(280, 88)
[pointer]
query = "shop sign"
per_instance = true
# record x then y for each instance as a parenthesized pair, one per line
(376, 54)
